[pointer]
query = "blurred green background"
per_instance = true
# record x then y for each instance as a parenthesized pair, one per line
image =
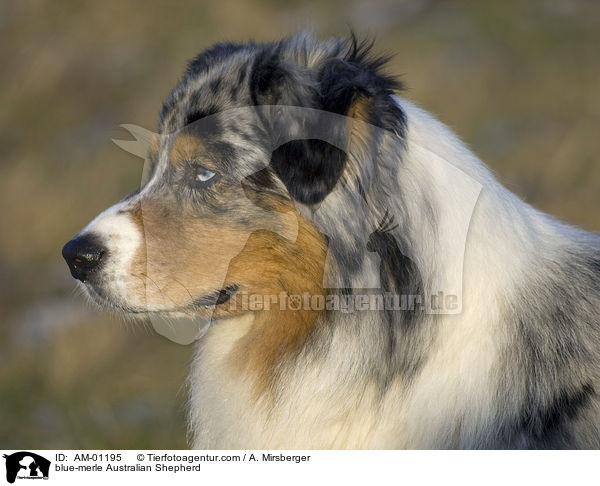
(518, 81)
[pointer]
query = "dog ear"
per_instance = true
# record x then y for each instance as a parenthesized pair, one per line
(351, 86)
(355, 86)
(341, 85)
(311, 168)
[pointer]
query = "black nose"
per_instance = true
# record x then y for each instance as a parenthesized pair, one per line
(83, 255)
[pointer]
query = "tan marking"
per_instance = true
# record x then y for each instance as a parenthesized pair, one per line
(361, 109)
(182, 258)
(187, 258)
(359, 116)
(186, 147)
(270, 265)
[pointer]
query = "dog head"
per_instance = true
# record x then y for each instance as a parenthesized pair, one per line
(250, 144)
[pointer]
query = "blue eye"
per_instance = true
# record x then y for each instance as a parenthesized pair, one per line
(198, 177)
(203, 175)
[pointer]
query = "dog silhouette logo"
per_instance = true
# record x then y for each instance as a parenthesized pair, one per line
(26, 464)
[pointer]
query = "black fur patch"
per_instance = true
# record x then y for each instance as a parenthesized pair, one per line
(215, 85)
(309, 168)
(267, 78)
(242, 75)
(545, 422)
(398, 274)
(203, 61)
(197, 112)
(359, 74)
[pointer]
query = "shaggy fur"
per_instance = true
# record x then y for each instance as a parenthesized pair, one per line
(514, 364)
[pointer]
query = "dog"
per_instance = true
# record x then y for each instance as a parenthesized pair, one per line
(294, 170)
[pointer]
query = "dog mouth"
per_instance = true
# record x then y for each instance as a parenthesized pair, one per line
(98, 297)
(218, 297)
(199, 306)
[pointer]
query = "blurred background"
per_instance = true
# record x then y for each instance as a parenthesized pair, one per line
(518, 81)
